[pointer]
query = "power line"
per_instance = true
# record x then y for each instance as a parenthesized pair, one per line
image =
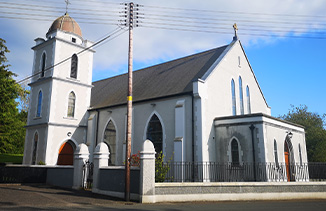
(228, 32)
(67, 59)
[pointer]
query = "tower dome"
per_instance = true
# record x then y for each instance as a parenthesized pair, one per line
(67, 24)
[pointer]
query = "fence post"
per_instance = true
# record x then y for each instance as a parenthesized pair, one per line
(101, 158)
(80, 157)
(147, 173)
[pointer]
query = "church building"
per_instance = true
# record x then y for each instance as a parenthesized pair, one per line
(206, 107)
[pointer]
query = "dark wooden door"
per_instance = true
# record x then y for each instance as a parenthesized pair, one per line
(66, 154)
(287, 161)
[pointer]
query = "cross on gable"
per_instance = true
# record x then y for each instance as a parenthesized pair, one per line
(235, 27)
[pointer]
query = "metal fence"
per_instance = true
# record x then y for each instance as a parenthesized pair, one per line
(243, 172)
(88, 175)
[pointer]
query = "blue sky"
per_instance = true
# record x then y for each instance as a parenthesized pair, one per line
(289, 70)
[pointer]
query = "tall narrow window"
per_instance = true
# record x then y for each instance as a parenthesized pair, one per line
(155, 133)
(235, 152)
(241, 96)
(234, 106)
(39, 104)
(43, 65)
(275, 153)
(74, 66)
(34, 148)
(110, 140)
(71, 104)
(248, 100)
(300, 155)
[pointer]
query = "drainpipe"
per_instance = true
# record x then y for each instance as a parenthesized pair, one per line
(97, 121)
(252, 127)
(193, 137)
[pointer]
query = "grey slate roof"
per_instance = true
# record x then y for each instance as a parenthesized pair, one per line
(162, 80)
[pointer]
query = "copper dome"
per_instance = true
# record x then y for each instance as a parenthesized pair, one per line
(67, 24)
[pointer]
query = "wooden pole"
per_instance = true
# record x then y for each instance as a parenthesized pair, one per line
(129, 104)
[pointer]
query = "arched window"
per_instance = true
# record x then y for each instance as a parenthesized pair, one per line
(275, 153)
(235, 152)
(155, 134)
(34, 148)
(110, 140)
(241, 96)
(248, 100)
(74, 66)
(43, 65)
(66, 154)
(300, 155)
(71, 104)
(234, 106)
(39, 104)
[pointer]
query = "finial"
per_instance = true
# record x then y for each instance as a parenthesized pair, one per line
(67, 2)
(235, 27)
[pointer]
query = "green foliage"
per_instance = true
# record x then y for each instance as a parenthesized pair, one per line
(315, 132)
(12, 132)
(161, 168)
(11, 158)
(40, 163)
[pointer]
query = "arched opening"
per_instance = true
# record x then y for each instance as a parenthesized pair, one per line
(248, 100)
(241, 96)
(288, 159)
(43, 65)
(39, 104)
(110, 135)
(66, 154)
(71, 104)
(74, 66)
(234, 106)
(235, 153)
(155, 133)
(275, 153)
(34, 148)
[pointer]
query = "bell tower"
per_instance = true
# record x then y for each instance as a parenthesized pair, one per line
(60, 94)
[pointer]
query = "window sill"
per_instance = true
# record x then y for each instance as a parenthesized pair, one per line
(37, 117)
(69, 118)
(72, 79)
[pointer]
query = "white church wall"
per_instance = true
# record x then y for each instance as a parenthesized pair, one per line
(142, 112)
(218, 98)
(67, 49)
(58, 136)
(29, 144)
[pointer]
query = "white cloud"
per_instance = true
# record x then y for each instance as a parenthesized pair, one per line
(156, 45)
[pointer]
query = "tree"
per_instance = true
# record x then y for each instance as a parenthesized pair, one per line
(12, 132)
(315, 131)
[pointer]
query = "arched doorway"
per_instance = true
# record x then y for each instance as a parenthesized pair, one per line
(288, 159)
(66, 154)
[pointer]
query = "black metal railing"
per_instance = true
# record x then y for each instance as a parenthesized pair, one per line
(244, 172)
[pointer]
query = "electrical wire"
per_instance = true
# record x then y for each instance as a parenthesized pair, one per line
(117, 30)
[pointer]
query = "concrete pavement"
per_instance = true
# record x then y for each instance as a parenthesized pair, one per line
(43, 197)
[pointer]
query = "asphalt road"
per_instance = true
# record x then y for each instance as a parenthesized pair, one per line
(42, 197)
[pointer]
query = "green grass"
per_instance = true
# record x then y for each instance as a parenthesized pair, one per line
(11, 158)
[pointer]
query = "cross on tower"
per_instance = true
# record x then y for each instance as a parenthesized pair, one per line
(67, 2)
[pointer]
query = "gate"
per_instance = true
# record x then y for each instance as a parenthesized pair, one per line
(88, 175)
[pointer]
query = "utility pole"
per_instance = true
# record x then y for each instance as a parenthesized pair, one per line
(129, 101)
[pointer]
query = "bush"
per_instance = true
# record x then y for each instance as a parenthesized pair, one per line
(161, 168)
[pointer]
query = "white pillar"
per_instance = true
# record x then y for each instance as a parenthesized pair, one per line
(147, 173)
(101, 159)
(80, 157)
